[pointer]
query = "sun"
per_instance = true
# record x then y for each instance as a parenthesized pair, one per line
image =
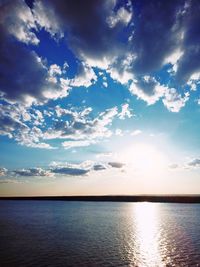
(143, 158)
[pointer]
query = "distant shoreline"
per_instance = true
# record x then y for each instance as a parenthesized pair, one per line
(112, 198)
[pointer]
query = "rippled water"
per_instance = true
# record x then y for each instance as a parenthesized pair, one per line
(56, 233)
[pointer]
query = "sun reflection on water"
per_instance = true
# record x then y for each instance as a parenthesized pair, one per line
(146, 224)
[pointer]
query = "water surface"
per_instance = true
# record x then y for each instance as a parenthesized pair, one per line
(62, 233)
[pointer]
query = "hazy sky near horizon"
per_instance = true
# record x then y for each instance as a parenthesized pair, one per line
(99, 97)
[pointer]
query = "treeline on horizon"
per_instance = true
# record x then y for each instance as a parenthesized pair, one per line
(114, 198)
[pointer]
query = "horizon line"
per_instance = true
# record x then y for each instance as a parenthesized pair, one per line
(172, 198)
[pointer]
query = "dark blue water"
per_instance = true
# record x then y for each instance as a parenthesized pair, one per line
(61, 233)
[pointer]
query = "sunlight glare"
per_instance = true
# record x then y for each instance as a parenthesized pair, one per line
(145, 216)
(144, 158)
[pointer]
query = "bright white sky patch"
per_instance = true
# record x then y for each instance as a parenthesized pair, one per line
(143, 158)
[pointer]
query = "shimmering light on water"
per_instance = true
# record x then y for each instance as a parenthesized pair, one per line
(98, 234)
(146, 218)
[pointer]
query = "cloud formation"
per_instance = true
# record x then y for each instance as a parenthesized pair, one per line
(58, 169)
(32, 172)
(131, 42)
(172, 26)
(116, 164)
(112, 35)
(92, 27)
(194, 163)
(79, 128)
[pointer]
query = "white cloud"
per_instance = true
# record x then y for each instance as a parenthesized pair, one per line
(54, 70)
(125, 112)
(79, 128)
(173, 57)
(77, 143)
(46, 18)
(33, 172)
(136, 132)
(56, 169)
(118, 132)
(173, 100)
(105, 84)
(86, 77)
(147, 89)
(122, 15)
(31, 137)
(194, 81)
(19, 21)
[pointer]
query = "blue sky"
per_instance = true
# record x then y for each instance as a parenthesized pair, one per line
(99, 97)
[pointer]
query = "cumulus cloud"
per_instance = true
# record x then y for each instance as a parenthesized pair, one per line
(83, 168)
(29, 127)
(194, 81)
(156, 40)
(33, 172)
(188, 165)
(122, 15)
(85, 77)
(147, 89)
(31, 80)
(21, 124)
(93, 28)
(111, 35)
(18, 20)
(189, 63)
(79, 128)
(70, 171)
(125, 112)
(150, 90)
(194, 163)
(57, 169)
(99, 167)
(173, 100)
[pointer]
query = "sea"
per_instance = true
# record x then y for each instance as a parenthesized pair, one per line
(79, 233)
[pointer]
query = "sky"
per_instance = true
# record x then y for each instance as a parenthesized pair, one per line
(99, 97)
